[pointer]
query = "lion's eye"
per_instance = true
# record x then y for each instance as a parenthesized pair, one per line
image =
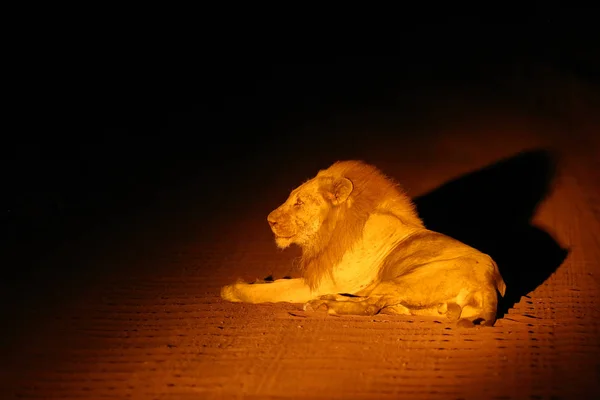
(298, 203)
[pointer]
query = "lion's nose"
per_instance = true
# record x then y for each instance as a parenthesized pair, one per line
(271, 219)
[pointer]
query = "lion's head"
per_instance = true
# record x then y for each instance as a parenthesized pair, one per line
(299, 220)
(326, 215)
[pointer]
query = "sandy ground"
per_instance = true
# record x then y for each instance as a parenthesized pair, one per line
(149, 323)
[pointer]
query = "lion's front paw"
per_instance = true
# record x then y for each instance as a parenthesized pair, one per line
(229, 293)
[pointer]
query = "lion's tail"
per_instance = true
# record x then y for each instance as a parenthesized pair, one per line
(500, 285)
(498, 281)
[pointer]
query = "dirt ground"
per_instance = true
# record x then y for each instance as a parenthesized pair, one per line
(149, 322)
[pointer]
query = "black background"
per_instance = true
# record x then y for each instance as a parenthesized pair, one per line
(105, 124)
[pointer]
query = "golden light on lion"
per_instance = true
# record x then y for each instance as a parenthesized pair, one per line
(365, 251)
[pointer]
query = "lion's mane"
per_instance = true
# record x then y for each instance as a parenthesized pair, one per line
(373, 192)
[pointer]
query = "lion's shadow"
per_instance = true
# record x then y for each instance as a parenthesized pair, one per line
(491, 209)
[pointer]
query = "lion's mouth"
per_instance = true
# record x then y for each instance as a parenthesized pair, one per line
(284, 241)
(283, 237)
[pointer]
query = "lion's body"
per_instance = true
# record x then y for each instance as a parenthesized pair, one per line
(366, 251)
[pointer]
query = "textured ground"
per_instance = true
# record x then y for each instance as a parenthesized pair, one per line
(153, 326)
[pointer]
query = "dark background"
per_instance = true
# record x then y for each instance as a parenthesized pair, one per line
(110, 126)
(120, 142)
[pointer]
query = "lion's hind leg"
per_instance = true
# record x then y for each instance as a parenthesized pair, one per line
(480, 310)
(342, 297)
(451, 309)
(342, 304)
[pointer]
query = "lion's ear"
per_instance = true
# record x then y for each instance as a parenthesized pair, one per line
(340, 190)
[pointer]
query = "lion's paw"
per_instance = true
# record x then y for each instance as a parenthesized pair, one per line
(316, 305)
(229, 293)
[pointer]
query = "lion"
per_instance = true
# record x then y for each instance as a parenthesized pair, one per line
(366, 251)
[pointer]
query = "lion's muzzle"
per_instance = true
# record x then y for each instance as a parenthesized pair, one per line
(272, 220)
(280, 224)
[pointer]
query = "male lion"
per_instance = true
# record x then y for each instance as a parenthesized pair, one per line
(365, 251)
